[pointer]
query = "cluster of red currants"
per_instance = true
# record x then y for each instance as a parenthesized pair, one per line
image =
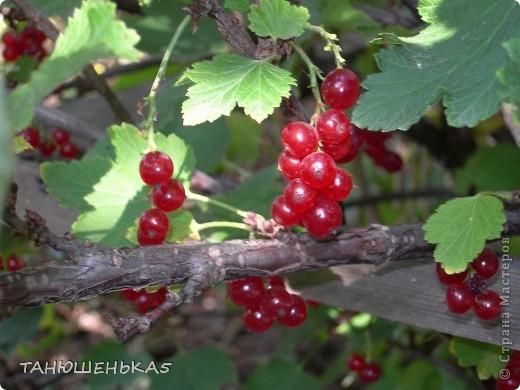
(513, 367)
(156, 170)
(367, 372)
(145, 301)
(60, 139)
(28, 43)
(265, 303)
(464, 293)
(14, 263)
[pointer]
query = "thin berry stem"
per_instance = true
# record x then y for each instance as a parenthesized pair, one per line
(331, 44)
(210, 201)
(223, 224)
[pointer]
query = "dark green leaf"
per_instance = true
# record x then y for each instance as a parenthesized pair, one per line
(19, 328)
(281, 375)
(485, 357)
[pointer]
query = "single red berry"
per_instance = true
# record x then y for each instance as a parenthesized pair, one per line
(156, 168)
(356, 362)
(487, 305)
(14, 263)
(389, 161)
(486, 264)
(246, 292)
(11, 53)
(511, 383)
(297, 313)
(325, 216)
(337, 151)
(60, 136)
(370, 373)
(459, 298)
(276, 302)
(32, 136)
(299, 138)
(289, 165)
(375, 137)
(299, 196)
(318, 170)
(275, 281)
(283, 214)
(340, 188)
(129, 294)
(450, 278)
(9, 38)
(256, 321)
(68, 150)
(153, 227)
(340, 89)
(157, 298)
(146, 302)
(333, 127)
(169, 196)
(47, 148)
(375, 151)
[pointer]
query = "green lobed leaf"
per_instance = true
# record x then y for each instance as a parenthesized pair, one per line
(231, 79)
(278, 19)
(92, 33)
(509, 76)
(460, 228)
(449, 60)
(472, 353)
(281, 375)
(237, 5)
(203, 369)
(19, 144)
(490, 169)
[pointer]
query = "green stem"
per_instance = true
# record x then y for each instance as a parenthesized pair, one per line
(331, 44)
(150, 100)
(223, 224)
(205, 199)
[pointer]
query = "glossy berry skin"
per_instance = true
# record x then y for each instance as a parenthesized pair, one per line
(276, 303)
(146, 302)
(9, 38)
(32, 136)
(389, 161)
(340, 188)
(299, 138)
(356, 362)
(60, 136)
(325, 216)
(11, 53)
(14, 263)
(68, 150)
(169, 196)
(487, 306)
(318, 170)
(297, 314)
(283, 214)
(246, 292)
(289, 165)
(340, 89)
(275, 281)
(153, 227)
(256, 321)
(370, 373)
(129, 294)
(299, 196)
(47, 148)
(333, 127)
(450, 278)
(459, 298)
(357, 140)
(511, 383)
(337, 151)
(486, 264)
(156, 168)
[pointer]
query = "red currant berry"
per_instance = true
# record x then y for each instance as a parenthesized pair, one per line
(450, 278)
(333, 127)
(511, 383)
(11, 53)
(275, 281)
(256, 321)
(340, 89)
(156, 168)
(129, 294)
(375, 137)
(375, 151)
(9, 38)
(459, 298)
(246, 292)
(15, 263)
(276, 303)
(389, 161)
(68, 150)
(370, 373)
(35, 34)
(32, 136)
(283, 214)
(514, 359)
(356, 362)
(47, 148)
(318, 170)
(157, 298)
(299, 196)
(325, 216)
(153, 227)
(60, 136)
(340, 188)
(337, 151)
(486, 264)
(357, 139)
(297, 313)
(299, 138)
(312, 303)
(289, 165)
(487, 306)
(169, 196)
